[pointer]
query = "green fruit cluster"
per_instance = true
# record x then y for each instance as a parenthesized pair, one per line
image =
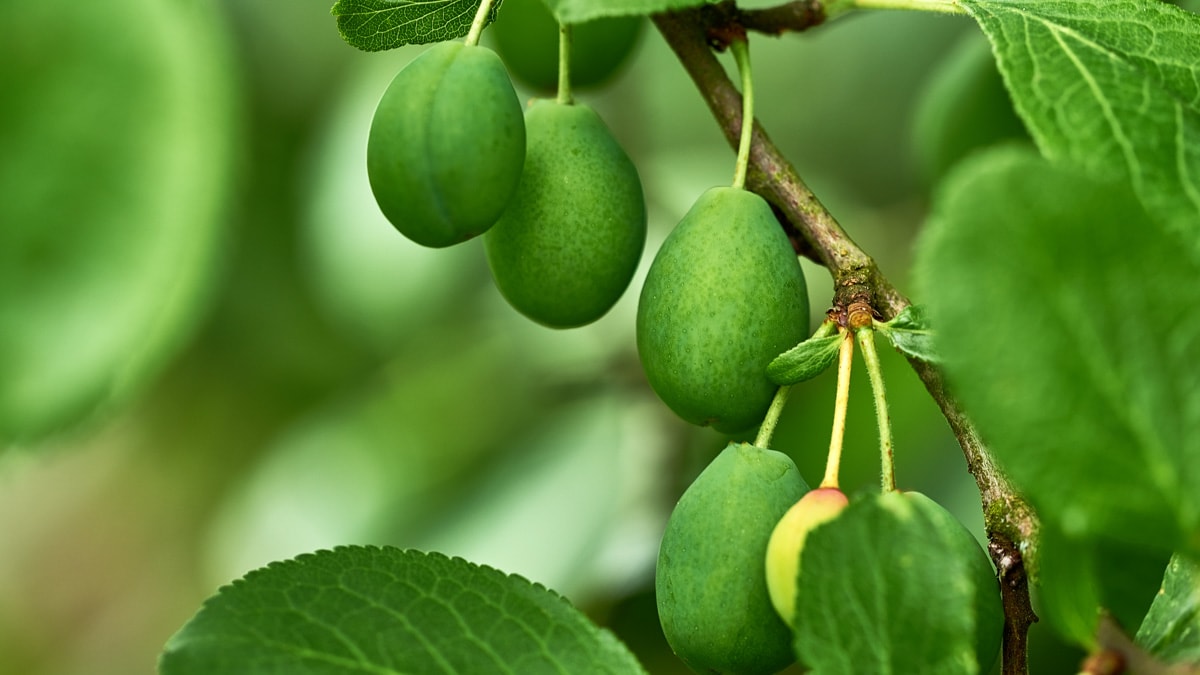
(452, 156)
(710, 584)
(724, 296)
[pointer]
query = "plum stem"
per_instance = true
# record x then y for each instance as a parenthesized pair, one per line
(481, 19)
(866, 340)
(564, 64)
(741, 55)
(767, 430)
(840, 405)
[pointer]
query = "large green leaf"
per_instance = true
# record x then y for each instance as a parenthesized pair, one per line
(1111, 86)
(1171, 631)
(894, 584)
(376, 25)
(115, 169)
(1065, 316)
(385, 611)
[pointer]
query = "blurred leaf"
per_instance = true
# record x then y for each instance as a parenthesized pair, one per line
(115, 174)
(1078, 364)
(356, 609)
(376, 25)
(1111, 87)
(376, 286)
(806, 360)
(963, 107)
(375, 461)
(564, 494)
(1171, 630)
(910, 332)
(1077, 578)
(894, 584)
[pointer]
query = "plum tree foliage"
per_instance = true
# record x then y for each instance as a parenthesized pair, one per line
(1056, 330)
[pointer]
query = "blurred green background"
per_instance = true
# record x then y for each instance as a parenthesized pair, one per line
(216, 352)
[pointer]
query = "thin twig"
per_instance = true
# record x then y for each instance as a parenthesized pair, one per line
(1010, 522)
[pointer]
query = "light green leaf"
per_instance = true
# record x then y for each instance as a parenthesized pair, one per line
(387, 611)
(894, 584)
(1064, 314)
(1111, 86)
(1171, 630)
(910, 332)
(806, 360)
(116, 169)
(578, 11)
(376, 25)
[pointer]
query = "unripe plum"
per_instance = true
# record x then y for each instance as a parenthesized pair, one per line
(787, 542)
(724, 296)
(447, 144)
(709, 583)
(567, 246)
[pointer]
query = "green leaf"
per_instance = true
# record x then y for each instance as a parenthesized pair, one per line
(806, 360)
(1112, 87)
(116, 167)
(578, 11)
(1064, 313)
(894, 584)
(910, 332)
(383, 610)
(1171, 630)
(376, 25)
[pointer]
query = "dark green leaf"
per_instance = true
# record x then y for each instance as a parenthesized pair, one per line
(1171, 630)
(362, 609)
(115, 166)
(895, 584)
(578, 11)
(1111, 87)
(910, 332)
(1065, 315)
(376, 25)
(806, 360)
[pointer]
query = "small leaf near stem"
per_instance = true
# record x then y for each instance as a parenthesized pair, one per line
(840, 406)
(481, 19)
(741, 55)
(564, 64)
(866, 340)
(767, 430)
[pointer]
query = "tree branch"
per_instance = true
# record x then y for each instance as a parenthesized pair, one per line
(1011, 524)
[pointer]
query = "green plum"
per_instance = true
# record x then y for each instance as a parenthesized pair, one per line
(526, 35)
(447, 145)
(817, 507)
(724, 296)
(710, 585)
(567, 246)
